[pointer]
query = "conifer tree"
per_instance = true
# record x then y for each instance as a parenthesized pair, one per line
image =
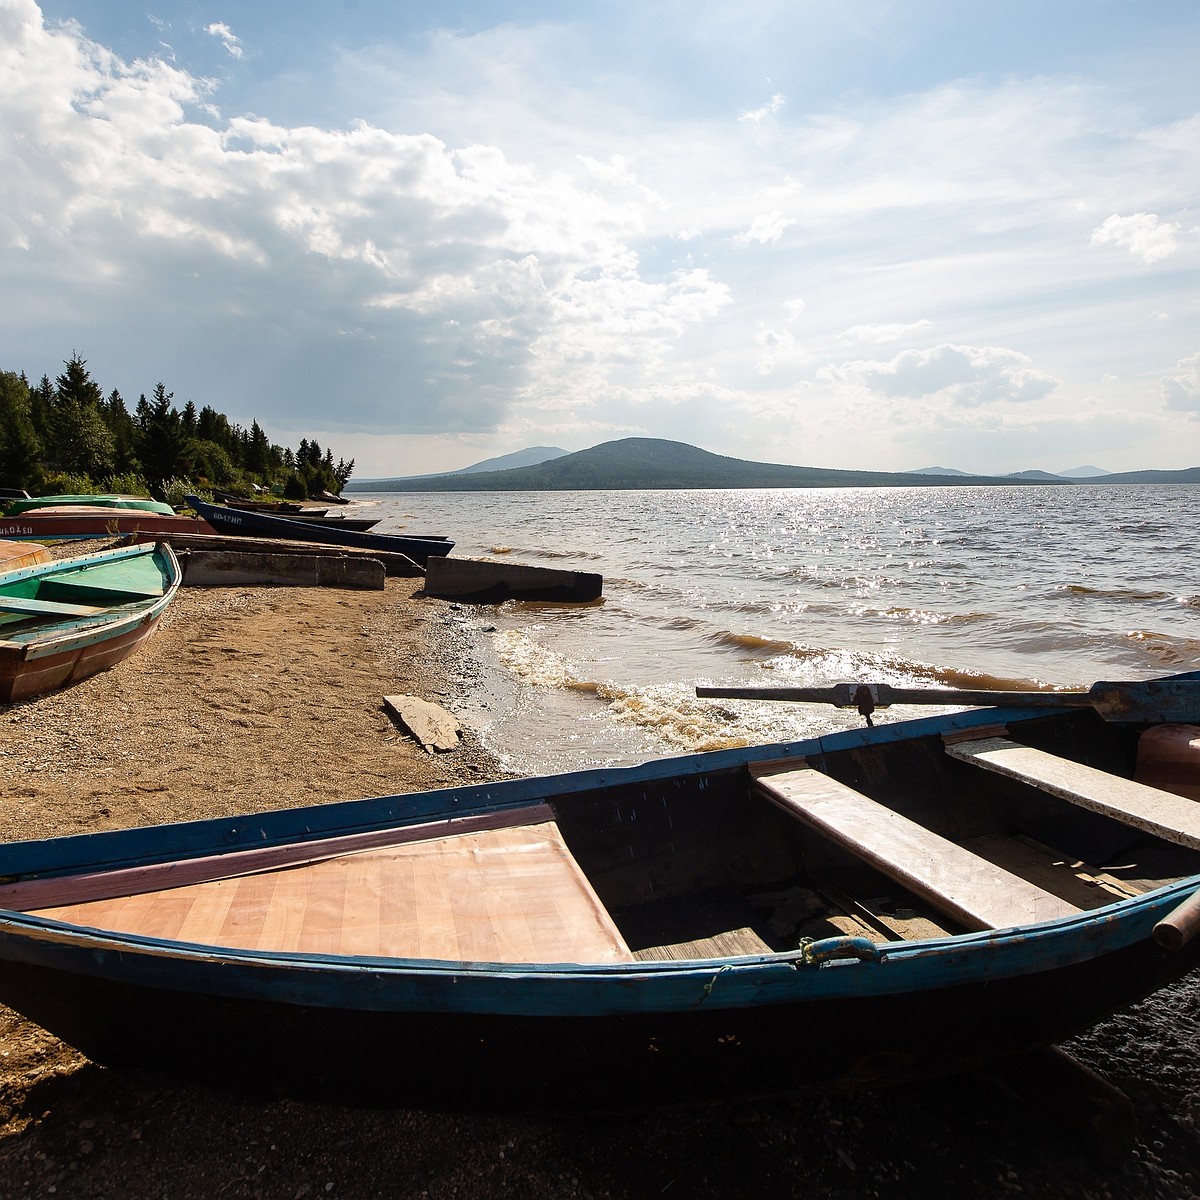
(80, 440)
(19, 445)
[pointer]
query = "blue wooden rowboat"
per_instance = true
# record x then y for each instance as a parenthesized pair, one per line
(882, 903)
(66, 619)
(257, 524)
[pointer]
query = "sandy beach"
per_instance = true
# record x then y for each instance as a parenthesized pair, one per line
(255, 698)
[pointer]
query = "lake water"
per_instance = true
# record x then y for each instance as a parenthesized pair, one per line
(961, 587)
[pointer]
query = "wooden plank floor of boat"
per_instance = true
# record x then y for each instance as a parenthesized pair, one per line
(513, 894)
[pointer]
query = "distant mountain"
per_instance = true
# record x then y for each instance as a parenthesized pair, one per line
(1187, 475)
(529, 457)
(635, 463)
(1082, 473)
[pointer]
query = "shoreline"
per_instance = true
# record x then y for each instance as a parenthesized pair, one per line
(254, 698)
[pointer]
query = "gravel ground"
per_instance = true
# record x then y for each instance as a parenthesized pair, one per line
(252, 698)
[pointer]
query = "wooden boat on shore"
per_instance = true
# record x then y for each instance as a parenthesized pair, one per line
(878, 904)
(137, 503)
(75, 521)
(253, 524)
(66, 619)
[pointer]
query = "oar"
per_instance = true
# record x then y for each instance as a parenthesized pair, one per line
(1147, 700)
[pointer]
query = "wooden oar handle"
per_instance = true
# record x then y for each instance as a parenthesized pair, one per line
(1180, 925)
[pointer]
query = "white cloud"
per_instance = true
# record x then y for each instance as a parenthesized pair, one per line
(765, 228)
(879, 334)
(967, 376)
(1142, 234)
(227, 37)
(777, 347)
(758, 115)
(1181, 392)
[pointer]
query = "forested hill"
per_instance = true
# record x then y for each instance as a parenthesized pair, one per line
(67, 436)
(634, 463)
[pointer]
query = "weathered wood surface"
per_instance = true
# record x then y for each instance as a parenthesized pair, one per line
(46, 608)
(234, 568)
(14, 555)
(972, 890)
(429, 723)
(487, 581)
(1164, 814)
(29, 895)
(512, 895)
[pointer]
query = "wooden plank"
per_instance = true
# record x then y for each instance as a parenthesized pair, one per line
(1164, 814)
(512, 894)
(717, 923)
(28, 894)
(1074, 880)
(956, 882)
(46, 608)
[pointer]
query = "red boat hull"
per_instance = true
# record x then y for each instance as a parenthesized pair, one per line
(22, 679)
(56, 524)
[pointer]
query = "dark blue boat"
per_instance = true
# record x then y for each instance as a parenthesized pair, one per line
(256, 524)
(882, 903)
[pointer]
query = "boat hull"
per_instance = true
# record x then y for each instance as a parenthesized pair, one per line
(345, 1052)
(253, 524)
(44, 525)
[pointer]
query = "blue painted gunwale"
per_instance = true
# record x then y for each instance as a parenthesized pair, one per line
(431, 986)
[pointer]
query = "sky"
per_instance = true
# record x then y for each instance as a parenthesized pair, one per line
(871, 234)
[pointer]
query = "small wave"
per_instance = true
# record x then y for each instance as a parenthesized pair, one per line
(819, 666)
(675, 720)
(925, 616)
(1165, 650)
(980, 680)
(543, 552)
(1133, 595)
(749, 641)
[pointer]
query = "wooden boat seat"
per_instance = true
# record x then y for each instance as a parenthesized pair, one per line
(1164, 814)
(508, 894)
(111, 588)
(958, 883)
(46, 608)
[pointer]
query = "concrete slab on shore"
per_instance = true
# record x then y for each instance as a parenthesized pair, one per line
(393, 563)
(486, 581)
(238, 568)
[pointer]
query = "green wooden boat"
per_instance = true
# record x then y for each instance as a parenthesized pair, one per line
(141, 503)
(67, 619)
